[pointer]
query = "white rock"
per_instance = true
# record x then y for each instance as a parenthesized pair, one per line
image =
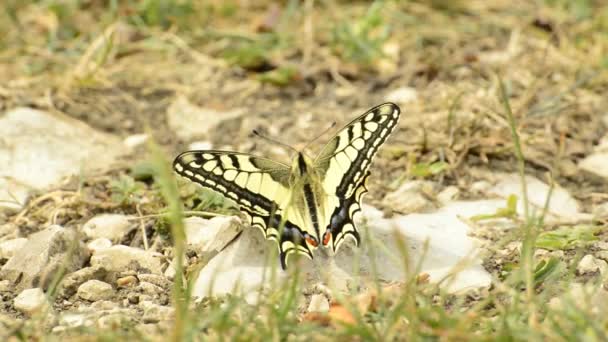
(149, 288)
(481, 186)
(318, 303)
(13, 194)
(5, 286)
(409, 197)
(94, 290)
(9, 247)
(402, 95)
(115, 320)
(590, 264)
(74, 320)
(601, 211)
(601, 245)
(98, 244)
(158, 280)
(448, 194)
(44, 253)
(200, 145)
(135, 140)
(71, 282)
(241, 268)
(213, 234)
(562, 204)
(584, 297)
(188, 120)
(121, 258)
(51, 146)
(109, 226)
(251, 263)
(451, 252)
(155, 313)
(31, 301)
(596, 163)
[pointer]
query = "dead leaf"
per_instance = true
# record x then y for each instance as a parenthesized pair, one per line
(317, 317)
(339, 314)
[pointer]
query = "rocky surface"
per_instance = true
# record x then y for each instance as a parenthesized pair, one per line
(561, 204)
(94, 290)
(189, 121)
(51, 146)
(209, 236)
(45, 253)
(121, 258)
(31, 302)
(110, 226)
(597, 162)
(9, 247)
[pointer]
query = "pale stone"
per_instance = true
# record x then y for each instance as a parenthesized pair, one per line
(94, 290)
(135, 140)
(410, 197)
(318, 303)
(9, 247)
(75, 320)
(596, 163)
(72, 281)
(13, 194)
(149, 288)
(31, 301)
(99, 244)
(155, 279)
(448, 194)
(5, 286)
(47, 251)
(188, 120)
(110, 226)
(211, 235)
(601, 211)
(250, 263)
(243, 267)
(402, 95)
(155, 313)
(121, 258)
(200, 145)
(561, 204)
(50, 147)
(590, 264)
(480, 186)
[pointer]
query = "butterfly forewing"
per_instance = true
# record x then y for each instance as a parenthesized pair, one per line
(260, 186)
(345, 162)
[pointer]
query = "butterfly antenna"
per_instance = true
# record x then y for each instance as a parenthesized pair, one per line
(257, 133)
(333, 124)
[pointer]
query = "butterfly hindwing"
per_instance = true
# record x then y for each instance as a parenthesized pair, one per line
(345, 162)
(259, 186)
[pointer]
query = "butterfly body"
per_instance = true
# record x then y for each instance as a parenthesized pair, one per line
(309, 203)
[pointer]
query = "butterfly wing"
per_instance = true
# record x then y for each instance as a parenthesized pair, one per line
(344, 164)
(260, 186)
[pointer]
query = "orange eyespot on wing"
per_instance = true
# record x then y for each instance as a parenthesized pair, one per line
(311, 241)
(326, 238)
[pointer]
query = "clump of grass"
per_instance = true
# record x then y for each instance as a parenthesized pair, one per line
(361, 40)
(126, 190)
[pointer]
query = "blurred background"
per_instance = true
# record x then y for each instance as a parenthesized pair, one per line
(204, 74)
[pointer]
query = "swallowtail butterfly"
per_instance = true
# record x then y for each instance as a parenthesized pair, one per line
(308, 204)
